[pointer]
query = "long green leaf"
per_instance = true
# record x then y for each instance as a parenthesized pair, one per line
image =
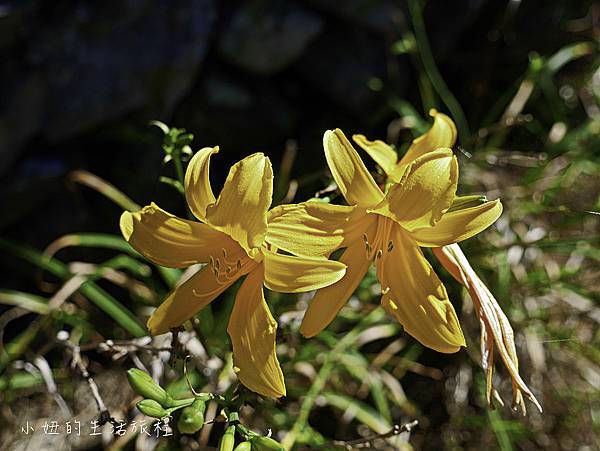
(363, 413)
(93, 292)
(107, 241)
(27, 301)
(433, 72)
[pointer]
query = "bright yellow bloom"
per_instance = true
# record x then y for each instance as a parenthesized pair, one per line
(387, 230)
(231, 239)
(442, 134)
(496, 331)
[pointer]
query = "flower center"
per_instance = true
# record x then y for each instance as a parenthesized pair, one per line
(381, 242)
(226, 268)
(380, 245)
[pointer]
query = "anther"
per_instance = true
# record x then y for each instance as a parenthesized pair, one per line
(239, 264)
(385, 290)
(217, 263)
(390, 246)
(228, 270)
(378, 254)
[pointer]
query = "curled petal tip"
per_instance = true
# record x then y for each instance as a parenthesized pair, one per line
(126, 225)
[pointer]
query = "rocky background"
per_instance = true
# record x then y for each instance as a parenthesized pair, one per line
(80, 80)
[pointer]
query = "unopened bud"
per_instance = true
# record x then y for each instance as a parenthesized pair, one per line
(144, 385)
(228, 439)
(152, 408)
(261, 443)
(192, 418)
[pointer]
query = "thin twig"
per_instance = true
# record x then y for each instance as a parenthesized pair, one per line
(77, 361)
(367, 442)
(185, 374)
(44, 368)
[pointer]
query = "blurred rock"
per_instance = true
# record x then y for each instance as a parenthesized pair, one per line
(91, 62)
(240, 114)
(340, 64)
(266, 37)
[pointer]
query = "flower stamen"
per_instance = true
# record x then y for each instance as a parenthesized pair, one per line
(224, 269)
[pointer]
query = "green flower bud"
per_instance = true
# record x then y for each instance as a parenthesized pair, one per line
(244, 446)
(144, 385)
(228, 439)
(192, 418)
(261, 443)
(152, 408)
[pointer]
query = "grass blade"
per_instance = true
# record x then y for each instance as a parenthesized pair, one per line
(93, 292)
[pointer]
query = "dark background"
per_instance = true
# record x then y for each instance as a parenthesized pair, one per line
(81, 80)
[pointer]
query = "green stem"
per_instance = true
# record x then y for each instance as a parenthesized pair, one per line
(178, 166)
(433, 72)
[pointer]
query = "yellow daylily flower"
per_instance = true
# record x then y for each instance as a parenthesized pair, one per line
(496, 331)
(387, 230)
(442, 134)
(231, 239)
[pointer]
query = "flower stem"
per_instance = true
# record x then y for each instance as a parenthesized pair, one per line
(433, 72)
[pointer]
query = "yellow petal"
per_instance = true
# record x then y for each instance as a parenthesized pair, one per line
(252, 330)
(328, 301)
(383, 154)
(349, 172)
(241, 209)
(496, 329)
(170, 241)
(186, 300)
(424, 193)
(458, 225)
(314, 228)
(291, 274)
(442, 134)
(415, 296)
(198, 192)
